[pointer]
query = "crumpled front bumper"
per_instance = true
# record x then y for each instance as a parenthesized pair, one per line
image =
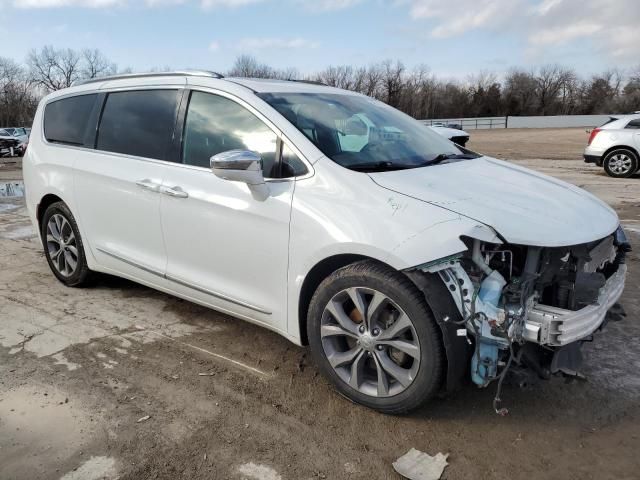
(554, 326)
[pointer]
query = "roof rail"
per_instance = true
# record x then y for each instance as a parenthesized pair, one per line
(311, 82)
(177, 73)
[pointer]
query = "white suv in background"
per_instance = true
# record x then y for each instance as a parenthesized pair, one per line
(405, 261)
(615, 145)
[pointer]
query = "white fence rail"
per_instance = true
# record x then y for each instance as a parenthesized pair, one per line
(557, 121)
(551, 121)
(471, 123)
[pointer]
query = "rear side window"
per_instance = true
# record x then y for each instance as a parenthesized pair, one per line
(634, 124)
(138, 123)
(67, 120)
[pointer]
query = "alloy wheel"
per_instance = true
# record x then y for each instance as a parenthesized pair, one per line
(370, 342)
(620, 163)
(61, 245)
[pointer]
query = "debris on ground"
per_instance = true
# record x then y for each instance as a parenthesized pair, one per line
(417, 465)
(144, 419)
(210, 374)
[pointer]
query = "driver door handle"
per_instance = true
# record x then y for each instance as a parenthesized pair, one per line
(175, 192)
(148, 185)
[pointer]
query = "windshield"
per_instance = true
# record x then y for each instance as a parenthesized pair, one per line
(360, 133)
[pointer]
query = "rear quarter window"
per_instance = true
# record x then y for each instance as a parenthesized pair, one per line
(634, 124)
(66, 120)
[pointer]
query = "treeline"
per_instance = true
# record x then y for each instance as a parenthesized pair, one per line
(45, 70)
(546, 90)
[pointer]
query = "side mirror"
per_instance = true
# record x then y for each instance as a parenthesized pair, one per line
(238, 166)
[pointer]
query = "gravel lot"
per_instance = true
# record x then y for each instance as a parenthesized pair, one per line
(120, 381)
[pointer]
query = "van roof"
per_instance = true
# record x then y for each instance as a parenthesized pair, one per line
(257, 85)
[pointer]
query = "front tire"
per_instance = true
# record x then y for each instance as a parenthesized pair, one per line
(63, 246)
(373, 336)
(621, 163)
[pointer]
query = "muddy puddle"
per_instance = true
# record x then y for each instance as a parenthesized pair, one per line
(11, 189)
(42, 424)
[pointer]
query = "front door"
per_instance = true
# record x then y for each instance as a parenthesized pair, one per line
(226, 246)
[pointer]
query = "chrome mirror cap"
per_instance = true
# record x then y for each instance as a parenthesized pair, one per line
(237, 160)
(239, 166)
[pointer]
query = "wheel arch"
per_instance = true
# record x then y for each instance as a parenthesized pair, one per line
(436, 295)
(621, 147)
(314, 278)
(457, 350)
(43, 204)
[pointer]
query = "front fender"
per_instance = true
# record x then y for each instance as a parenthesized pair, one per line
(438, 241)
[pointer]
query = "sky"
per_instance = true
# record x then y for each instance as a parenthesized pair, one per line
(453, 38)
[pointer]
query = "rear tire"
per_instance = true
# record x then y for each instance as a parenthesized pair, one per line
(621, 163)
(388, 357)
(63, 246)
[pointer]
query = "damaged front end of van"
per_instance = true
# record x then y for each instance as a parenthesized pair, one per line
(525, 311)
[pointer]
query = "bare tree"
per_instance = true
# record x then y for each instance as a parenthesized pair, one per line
(18, 98)
(550, 81)
(392, 81)
(519, 92)
(340, 77)
(96, 64)
(54, 69)
(247, 66)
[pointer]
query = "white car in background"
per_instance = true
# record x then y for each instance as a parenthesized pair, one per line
(456, 135)
(615, 146)
(405, 262)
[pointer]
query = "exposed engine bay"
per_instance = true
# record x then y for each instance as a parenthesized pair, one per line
(528, 310)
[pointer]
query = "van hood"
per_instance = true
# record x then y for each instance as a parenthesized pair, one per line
(523, 206)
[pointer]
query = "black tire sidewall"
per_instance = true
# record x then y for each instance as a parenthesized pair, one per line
(402, 291)
(81, 276)
(634, 159)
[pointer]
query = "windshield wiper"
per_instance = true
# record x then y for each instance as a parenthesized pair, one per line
(379, 166)
(386, 165)
(449, 156)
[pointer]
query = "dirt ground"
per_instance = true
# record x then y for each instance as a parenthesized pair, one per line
(120, 381)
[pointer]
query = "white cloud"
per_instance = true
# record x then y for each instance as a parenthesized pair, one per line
(564, 34)
(465, 16)
(214, 46)
(227, 3)
(163, 3)
(249, 44)
(67, 3)
(206, 4)
(316, 6)
(545, 6)
(625, 43)
(327, 5)
(611, 27)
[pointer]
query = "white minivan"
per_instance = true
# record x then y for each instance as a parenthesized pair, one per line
(406, 262)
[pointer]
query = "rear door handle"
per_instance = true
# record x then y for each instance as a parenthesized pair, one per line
(148, 185)
(175, 192)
